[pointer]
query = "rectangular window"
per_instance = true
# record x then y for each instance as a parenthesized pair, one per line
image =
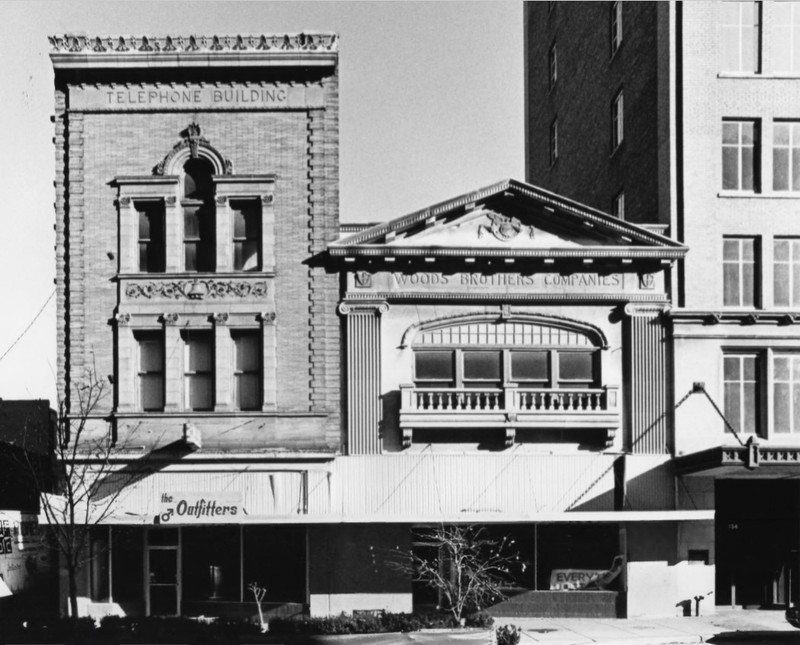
(530, 367)
(152, 252)
(786, 272)
(150, 377)
(575, 369)
(198, 370)
(616, 26)
(247, 370)
(553, 65)
(786, 392)
(246, 234)
(741, 391)
(741, 36)
(786, 34)
(482, 368)
(434, 368)
(740, 155)
(739, 267)
(198, 238)
(618, 209)
(786, 156)
(617, 123)
(553, 141)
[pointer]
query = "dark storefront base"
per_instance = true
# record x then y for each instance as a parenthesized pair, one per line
(562, 604)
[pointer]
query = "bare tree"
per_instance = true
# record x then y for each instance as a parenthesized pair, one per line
(86, 487)
(471, 568)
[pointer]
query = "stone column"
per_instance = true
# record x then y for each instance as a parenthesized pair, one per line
(223, 363)
(269, 381)
(173, 235)
(173, 363)
(126, 368)
(224, 234)
(267, 232)
(648, 390)
(363, 383)
(128, 236)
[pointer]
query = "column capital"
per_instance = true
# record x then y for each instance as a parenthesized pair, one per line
(646, 309)
(373, 307)
(122, 320)
(267, 317)
(219, 318)
(169, 319)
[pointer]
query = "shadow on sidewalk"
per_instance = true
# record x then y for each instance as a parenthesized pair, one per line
(763, 636)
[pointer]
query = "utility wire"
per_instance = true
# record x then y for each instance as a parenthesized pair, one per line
(30, 324)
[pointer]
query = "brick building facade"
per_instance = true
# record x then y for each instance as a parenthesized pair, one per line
(707, 150)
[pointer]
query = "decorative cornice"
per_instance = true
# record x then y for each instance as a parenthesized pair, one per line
(736, 317)
(153, 45)
(196, 289)
(610, 252)
(452, 296)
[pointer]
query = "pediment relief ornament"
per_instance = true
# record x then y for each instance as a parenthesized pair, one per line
(503, 227)
(196, 289)
(197, 145)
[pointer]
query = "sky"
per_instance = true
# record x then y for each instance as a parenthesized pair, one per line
(431, 106)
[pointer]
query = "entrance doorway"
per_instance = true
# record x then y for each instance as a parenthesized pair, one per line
(163, 569)
(757, 533)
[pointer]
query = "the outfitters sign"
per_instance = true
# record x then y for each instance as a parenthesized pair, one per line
(200, 508)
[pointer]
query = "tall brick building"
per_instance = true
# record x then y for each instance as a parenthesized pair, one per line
(197, 186)
(685, 115)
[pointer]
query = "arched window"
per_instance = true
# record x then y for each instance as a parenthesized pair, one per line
(490, 354)
(198, 215)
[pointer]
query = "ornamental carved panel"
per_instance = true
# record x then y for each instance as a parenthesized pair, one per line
(200, 289)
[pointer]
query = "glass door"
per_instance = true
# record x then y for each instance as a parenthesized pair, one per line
(163, 572)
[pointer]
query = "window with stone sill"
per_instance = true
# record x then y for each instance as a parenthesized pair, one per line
(740, 24)
(152, 251)
(741, 385)
(786, 156)
(198, 370)
(786, 37)
(786, 271)
(197, 201)
(150, 370)
(246, 234)
(740, 268)
(740, 155)
(247, 369)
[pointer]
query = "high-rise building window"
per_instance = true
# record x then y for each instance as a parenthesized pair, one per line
(198, 370)
(617, 122)
(618, 207)
(616, 26)
(741, 391)
(741, 36)
(247, 370)
(246, 234)
(553, 141)
(152, 252)
(786, 393)
(552, 59)
(150, 370)
(740, 155)
(786, 272)
(740, 272)
(786, 43)
(786, 156)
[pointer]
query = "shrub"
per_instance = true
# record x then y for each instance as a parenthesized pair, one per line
(508, 635)
(369, 623)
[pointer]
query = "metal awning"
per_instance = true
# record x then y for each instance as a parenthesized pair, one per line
(750, 461)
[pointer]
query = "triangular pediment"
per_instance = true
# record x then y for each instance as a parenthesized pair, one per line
(508, 219)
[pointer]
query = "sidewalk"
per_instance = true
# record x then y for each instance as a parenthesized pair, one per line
(755, 626)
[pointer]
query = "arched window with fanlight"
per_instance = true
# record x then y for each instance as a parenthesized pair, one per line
(197, 200)
(493, 355)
